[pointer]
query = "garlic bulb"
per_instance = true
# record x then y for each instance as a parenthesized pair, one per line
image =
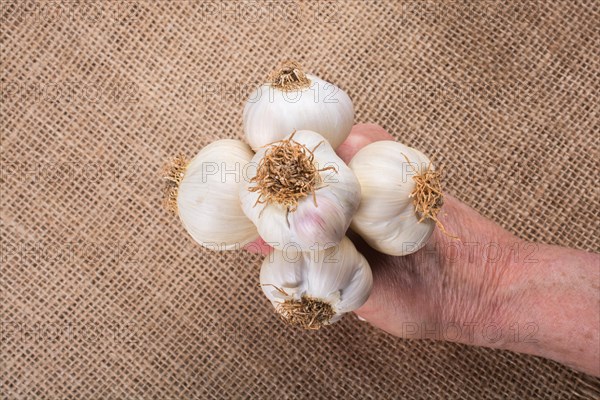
(401, 196)
(293, 100)
(299, 191)
(208, 196)
(312, 289)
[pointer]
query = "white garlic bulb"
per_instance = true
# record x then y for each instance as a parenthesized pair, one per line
(292, 100)
(208, 196)
(299, 191)
(312, 289)
(401, 195)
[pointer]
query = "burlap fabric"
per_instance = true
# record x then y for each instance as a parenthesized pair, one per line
(104, 296)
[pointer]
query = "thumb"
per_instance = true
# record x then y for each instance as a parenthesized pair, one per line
(360, 136)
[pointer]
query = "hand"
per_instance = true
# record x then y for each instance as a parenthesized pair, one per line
(449, 282)
(489, 288)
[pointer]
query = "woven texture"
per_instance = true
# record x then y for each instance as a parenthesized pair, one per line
(104, 295)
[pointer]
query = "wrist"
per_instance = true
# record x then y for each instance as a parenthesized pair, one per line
(478, 293)
(538, 299)
(559, 293)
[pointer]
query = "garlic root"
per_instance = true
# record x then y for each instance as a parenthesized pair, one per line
(307, 313)
(289, 76)
(287, 173)
(173, 173)
(307, 194)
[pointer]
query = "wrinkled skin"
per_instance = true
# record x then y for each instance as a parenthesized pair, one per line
(489, 288)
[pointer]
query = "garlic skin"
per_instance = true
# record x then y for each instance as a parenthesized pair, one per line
(339, 276)
(271, 113)
(322, 225)
(208, 196)
(387, 218)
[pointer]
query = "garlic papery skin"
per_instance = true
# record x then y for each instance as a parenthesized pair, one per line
(316, 288)
(393, 178)
(208, 201)
(299, 191)
(292, 100)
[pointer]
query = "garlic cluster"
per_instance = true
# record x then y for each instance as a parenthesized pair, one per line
(293, 100)
(292, 190)
(207, 196)
(299, 191)
(316, 288)
(401, 195)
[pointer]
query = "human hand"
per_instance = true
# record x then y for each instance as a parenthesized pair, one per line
(489, 288)
(422, 294)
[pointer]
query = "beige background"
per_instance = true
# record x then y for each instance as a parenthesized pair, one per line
(104, 296)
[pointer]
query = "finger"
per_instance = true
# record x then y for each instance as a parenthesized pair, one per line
(259, 246)
(360, 136)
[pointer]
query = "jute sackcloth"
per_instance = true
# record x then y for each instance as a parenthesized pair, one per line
(105, 296)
